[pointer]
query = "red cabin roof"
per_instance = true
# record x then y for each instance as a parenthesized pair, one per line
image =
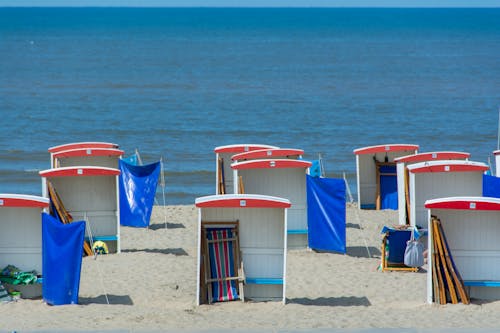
(75, 145)
(432, 156)
(464, 203)
(79, 171)
(88, 152)
(447, 166)
(267, 153)
(240, 148)
(241, 201)
(21, 200)
(385, 149)
(271, 164)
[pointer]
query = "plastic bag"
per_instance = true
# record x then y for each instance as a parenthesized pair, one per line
(414, 254)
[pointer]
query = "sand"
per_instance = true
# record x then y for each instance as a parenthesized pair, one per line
(151, 285)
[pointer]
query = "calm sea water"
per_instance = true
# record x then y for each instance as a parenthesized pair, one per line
(175, 83)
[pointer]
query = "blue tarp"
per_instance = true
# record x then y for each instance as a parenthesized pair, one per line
(491, 186)
(137, 192)
(388, 188)
(62, 250)
(326, 214)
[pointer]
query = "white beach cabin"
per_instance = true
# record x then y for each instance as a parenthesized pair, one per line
(21, 231)
(374, 183)
(438, 179)
(497, 162)
(89, 193)
(274, 153)
(261, 221)
(471, 226)
(224, 174)
(402, 174)
(105, 157)
(285, 178)
(78, 145)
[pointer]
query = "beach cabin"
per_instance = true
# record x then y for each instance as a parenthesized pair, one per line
(471, 227)
(105, 157)
(224, 175)
(496, 153)
(274, 153)
(89, 193)
(402, 175)
(21, 231)
(78, 145)
(242, 244)
(376, 174)
(438, 179)
(285, 178)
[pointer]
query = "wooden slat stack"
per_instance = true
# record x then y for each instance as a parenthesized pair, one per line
(63, 214)
(447, 283)
(220, 176)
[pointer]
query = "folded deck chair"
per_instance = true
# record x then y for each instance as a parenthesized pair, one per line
(223, 272)
(393, 249)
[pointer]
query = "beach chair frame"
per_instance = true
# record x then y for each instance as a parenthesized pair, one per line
(206, 279)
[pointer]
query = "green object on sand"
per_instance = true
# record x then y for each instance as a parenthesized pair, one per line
(13, 275)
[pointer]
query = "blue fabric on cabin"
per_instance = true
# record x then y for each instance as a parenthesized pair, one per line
(137, 187)
(388, 188)
(326, 214)
(315, 169)
(62, 250)
(491, 186)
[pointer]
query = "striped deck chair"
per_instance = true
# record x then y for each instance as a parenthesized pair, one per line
(223, 271)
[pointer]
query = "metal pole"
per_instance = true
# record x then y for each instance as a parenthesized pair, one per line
(498, 135)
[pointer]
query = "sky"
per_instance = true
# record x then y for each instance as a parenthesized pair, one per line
(251, 3)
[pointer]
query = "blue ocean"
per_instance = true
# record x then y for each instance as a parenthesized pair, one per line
(174, 83)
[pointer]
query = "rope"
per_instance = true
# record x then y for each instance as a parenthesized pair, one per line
(162, 184)
(91, 240)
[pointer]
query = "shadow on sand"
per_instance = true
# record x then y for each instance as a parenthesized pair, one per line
(331, 301)
(101, 299)
(362, 251)
(176, 252)
(168, 225)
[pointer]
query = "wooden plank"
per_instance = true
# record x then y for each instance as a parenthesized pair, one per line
(437, 267)
(64, 215)
(241, 187)
(222, 181)
(407, 195)
(447, 266)
(451, 266)
(449, 280)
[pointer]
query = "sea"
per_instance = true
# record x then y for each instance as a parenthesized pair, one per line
(174, 83)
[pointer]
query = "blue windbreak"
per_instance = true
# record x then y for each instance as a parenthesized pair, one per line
(137, 192)
(326, 214)
(62, 250)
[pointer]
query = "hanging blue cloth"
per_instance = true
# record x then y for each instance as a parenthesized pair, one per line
(491, 186)
(137, 185)
(388, 188)
(62, 251)
(326, 214)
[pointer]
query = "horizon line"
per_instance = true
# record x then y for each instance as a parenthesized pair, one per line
(254, 7)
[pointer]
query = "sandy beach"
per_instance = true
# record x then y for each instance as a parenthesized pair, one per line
(151, 285)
